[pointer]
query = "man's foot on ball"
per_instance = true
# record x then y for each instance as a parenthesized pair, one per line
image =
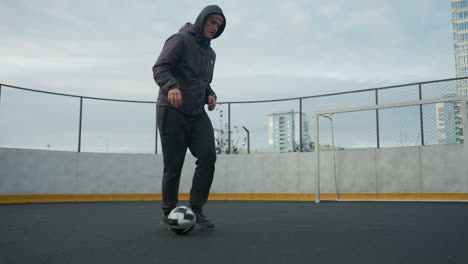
(203, 221)
(165, 219)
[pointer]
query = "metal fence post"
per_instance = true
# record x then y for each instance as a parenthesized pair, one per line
(464, 111)
(79, 127)
(317, 153)
(377, 117)
(421, 116)
(300, 124)
(248, 139)
(229, 128)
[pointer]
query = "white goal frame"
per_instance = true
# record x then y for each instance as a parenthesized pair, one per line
(459, 99)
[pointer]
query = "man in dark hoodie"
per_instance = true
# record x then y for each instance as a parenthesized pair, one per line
(183, 72)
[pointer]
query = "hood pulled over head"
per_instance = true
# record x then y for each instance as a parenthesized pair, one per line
(211, 9)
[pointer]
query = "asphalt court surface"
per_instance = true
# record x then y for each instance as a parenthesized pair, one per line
(246, 232)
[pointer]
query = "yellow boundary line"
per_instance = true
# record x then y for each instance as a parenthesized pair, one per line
(404, 196)
(57, 198)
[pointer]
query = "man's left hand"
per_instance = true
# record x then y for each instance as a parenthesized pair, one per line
(211, 103)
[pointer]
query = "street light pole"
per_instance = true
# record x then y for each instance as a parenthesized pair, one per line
(248, 139)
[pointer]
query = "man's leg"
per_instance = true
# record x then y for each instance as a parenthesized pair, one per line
(173, 130)
(202, 146)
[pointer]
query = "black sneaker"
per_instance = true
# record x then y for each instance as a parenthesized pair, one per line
(203, 221)
(165, 219)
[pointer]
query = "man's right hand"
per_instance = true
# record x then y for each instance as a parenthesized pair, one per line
(175, 97)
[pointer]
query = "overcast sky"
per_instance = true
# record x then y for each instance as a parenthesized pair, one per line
(269, 49)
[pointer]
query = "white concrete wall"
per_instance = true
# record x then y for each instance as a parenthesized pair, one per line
(440, 168)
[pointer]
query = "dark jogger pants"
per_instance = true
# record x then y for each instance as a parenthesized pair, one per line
(179, 132)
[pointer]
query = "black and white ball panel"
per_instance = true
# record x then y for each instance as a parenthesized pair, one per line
(181, 217)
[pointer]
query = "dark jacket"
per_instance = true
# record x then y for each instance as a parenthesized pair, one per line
(187, 62)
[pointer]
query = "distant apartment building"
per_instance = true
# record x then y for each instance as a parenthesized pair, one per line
(460, 39)
(284, 131)
(449, 122)
(449, 116)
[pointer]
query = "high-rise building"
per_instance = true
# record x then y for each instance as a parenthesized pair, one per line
(449, 117)
(449, 122)
(460, 39)
(284, 131)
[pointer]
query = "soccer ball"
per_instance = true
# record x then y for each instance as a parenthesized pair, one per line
(181, 220)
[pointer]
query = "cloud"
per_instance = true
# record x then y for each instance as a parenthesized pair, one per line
(107, 49)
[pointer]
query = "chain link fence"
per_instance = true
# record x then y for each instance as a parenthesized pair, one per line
(38, 121)
(118, 127)
(34, 119)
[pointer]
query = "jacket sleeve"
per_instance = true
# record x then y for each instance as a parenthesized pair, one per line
(163, 69)
(210, 92)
